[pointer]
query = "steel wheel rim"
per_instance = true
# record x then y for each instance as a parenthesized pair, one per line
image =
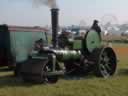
(106, 64)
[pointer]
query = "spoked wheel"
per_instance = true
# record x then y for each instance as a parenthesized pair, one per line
(105, 62)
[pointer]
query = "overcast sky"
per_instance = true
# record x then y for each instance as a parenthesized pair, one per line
(22, 12)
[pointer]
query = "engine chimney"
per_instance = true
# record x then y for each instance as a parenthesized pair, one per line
(54, 19)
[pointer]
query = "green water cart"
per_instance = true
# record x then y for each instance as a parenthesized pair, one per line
(16, 42)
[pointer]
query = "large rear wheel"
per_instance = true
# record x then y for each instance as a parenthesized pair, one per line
(105, 62)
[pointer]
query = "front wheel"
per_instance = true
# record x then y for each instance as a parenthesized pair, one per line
(36, 71)
(46, 69)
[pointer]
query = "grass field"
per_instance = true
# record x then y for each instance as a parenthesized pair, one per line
(86, 86)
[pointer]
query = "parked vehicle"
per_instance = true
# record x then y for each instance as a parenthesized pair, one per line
(16, 42)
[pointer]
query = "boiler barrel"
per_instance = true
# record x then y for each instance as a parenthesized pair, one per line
(63, 55)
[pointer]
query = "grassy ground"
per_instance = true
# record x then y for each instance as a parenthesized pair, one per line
(86, 86)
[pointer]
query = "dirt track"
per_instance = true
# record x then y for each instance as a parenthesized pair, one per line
(121, 50)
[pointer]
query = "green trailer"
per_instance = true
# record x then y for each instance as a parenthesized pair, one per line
(16, 42)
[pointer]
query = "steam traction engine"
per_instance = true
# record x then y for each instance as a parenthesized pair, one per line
(46, 64)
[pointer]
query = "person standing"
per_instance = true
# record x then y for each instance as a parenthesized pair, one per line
(96, 27)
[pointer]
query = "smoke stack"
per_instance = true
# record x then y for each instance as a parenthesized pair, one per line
(54, 19)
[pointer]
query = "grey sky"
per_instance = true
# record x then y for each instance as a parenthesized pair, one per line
(22, 12)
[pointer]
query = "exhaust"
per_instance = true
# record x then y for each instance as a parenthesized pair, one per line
(54, 21)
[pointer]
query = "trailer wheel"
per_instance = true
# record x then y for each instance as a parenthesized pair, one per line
(17, 70)
(105, 62)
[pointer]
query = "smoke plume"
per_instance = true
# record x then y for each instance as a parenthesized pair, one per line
(49, 3)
